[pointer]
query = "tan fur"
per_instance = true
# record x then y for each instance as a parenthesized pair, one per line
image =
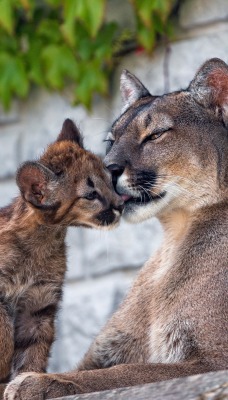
(173, 322)
(54, 194)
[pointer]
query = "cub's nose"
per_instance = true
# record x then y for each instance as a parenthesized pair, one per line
(117, 204)
(116, 171)
(119, 207)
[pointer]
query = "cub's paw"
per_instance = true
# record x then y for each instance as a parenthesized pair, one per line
(36, 386)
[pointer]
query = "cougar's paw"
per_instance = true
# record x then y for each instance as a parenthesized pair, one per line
(13, 389)
(36, 386)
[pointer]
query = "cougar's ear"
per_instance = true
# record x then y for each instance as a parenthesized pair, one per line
(210, 86)
(70, 132)
(131, 89)
(37, 184)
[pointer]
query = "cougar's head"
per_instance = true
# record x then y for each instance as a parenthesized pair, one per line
(69, 185)
(170, 151)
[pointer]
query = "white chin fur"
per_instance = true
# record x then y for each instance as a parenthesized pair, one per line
(138, 213)
(135, 213)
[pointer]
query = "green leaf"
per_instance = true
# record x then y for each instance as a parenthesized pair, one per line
(85, 84)
(68, 31)
(8, 43)
(92, 78)
(144, 9)
(35, 73)
(49, 30)
(6, 16)
(90, 13)
(54, 3)
(95, 15)
(69, 16)
(100, 47)
(164, 7)
(58, 63)
(13, 78)
(103, 46)
(28, 6)
(146, 37)
(147, 9)
(158, 24)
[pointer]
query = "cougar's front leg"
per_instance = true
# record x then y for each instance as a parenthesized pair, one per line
(6, 342)
(48, 386)
(34, 334)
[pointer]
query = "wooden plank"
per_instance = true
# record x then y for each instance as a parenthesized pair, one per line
(210, 386)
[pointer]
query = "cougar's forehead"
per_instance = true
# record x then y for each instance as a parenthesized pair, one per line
(135, 113)
(149, 114)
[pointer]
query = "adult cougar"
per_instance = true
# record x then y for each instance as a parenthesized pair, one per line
(169, 157)
(68, 186)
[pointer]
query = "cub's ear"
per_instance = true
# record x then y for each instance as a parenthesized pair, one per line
(70, 132)
(37, 184)
(131, 89)
(210, 86)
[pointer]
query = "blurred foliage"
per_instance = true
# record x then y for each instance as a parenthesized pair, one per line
(53, 43)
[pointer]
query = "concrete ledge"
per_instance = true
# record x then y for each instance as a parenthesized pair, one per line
(211, 386)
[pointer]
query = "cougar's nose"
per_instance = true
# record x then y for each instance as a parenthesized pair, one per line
(116, 171)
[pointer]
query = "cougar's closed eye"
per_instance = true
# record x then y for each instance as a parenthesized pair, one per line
(156, 134)
(109, 141)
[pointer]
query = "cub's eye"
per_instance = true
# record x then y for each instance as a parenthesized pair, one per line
(91, 196)
(155, 135)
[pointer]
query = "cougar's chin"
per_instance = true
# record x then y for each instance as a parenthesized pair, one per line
(135, 213)
(136, 210)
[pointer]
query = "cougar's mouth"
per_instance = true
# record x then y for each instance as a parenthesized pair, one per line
(143, 198)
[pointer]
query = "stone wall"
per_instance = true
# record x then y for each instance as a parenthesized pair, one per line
(101, 266)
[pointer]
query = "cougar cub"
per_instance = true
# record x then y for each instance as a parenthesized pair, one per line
(68, 186)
